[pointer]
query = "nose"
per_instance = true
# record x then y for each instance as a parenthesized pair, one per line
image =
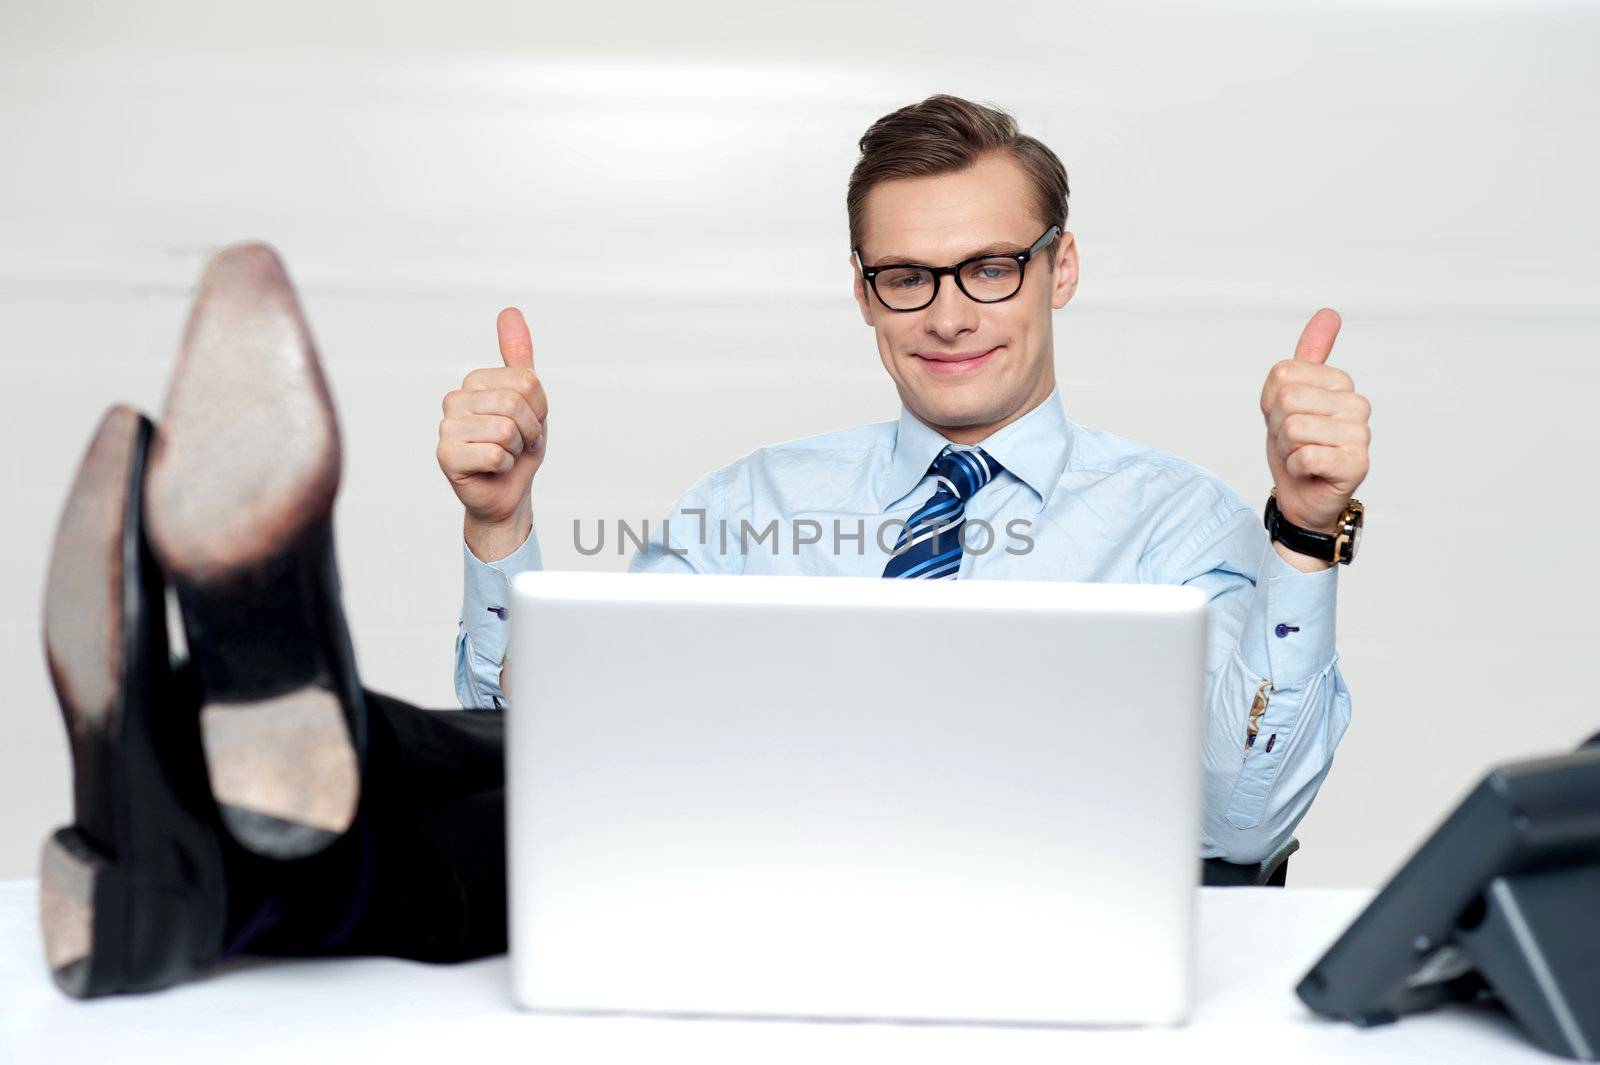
(951, 313)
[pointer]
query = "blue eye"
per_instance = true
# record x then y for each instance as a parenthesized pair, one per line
(1001, 270)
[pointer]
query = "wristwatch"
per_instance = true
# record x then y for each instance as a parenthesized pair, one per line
(1339, 547)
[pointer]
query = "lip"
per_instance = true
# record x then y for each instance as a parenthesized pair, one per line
(955, 363)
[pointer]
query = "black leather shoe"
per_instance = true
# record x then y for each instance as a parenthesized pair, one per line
(239, 502)
(132, 895)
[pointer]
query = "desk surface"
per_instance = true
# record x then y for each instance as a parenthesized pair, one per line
(1254, 943)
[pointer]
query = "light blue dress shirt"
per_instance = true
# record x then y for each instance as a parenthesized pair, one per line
(1073, 504)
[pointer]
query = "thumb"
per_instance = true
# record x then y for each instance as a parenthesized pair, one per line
(1316, 339)
(516, 346)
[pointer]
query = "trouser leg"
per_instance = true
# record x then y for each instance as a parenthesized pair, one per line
(436, 755)
(422, 872)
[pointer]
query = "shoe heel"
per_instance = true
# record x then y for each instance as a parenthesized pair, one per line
(78, 889)
(279, 727)
(106, 932)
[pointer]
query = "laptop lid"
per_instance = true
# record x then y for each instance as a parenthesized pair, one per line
(854, 798)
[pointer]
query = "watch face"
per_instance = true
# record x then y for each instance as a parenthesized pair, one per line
(1355, 541)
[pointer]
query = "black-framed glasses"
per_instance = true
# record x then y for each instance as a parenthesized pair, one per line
(985, 278)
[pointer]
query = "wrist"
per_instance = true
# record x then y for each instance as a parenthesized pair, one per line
(1301, 545)
(1303, 563)
(1327, 526)
(491, 540)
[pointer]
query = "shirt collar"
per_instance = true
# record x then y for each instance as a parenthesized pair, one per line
(1034, 449)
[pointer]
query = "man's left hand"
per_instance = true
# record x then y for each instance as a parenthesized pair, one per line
(1317, 431)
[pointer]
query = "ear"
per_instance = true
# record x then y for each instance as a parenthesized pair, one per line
(1066, 271)
(862, 301)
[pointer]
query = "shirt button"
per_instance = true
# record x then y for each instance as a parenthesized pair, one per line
(1283, 630)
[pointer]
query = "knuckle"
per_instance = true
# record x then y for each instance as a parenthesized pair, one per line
(1282, 372)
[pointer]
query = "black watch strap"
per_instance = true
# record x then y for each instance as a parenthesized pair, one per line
(1318, 545)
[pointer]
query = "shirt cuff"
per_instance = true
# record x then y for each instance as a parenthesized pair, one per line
(486, 597)
(1288, 635)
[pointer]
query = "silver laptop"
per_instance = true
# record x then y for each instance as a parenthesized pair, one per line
(833, 797)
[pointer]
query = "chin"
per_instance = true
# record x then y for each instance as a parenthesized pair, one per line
(969, 404)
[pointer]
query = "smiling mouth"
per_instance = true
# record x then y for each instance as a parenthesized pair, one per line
(954, 364)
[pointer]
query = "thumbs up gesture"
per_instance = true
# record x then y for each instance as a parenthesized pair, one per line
(492, 440)
(1317, 431)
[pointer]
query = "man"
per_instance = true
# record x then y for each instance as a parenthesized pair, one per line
(255, 798)
(948, 183)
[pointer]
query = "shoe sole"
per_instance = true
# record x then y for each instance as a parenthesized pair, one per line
(239, 506)
(84, 638)
(99, 656)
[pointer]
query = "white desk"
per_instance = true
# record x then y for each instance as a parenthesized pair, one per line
(1254, 945)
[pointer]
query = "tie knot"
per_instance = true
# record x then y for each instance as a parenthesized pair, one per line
(965, 471)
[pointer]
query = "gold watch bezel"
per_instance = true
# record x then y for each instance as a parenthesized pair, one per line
(1350, 520)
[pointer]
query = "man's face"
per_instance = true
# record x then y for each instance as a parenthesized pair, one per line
(964, 367)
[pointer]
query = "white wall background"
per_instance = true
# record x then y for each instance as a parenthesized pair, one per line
(1429, 169)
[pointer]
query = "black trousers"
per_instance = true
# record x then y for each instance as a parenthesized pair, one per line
(420, 874)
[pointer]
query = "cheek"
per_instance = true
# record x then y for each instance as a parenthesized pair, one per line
(1011, 329)
(1027, 322)
(893, 333)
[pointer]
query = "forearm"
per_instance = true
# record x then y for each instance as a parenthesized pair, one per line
(482, 629)
(1276, 710)
(1258, 785)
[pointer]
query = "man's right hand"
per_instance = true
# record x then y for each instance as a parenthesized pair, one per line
(492, 440)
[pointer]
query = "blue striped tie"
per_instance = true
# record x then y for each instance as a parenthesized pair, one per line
(930, 547)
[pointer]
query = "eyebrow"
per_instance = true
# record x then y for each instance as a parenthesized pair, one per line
(1002, 247)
